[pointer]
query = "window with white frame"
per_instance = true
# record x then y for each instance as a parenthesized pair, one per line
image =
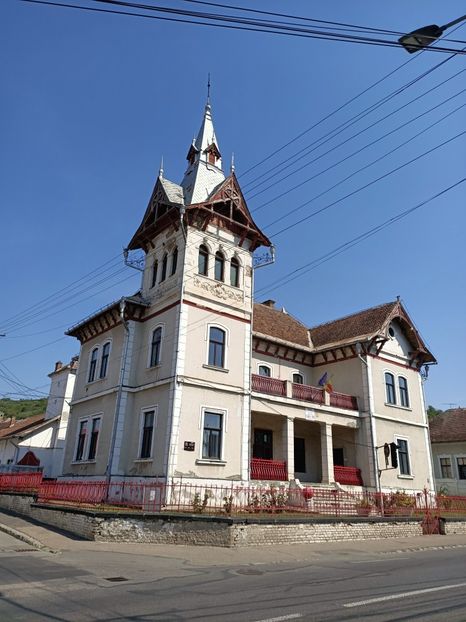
(298, 378)
(104, 360)
(82, 437)
(94, 438)
(212, 435)
(217, 346)
(390, 388)
(163, 276)
(174, 261)
(403, 456)
(403, 388)
(264, 370)
(445, 467)
(234, 272)
(461, 465)
(219, 266)
(155, 347)
(147, 434)
(203, 260)
(88, 438)
(155, 267)
(93, 365)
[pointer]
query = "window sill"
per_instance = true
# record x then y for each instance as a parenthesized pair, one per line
(90, 382)
(215, 368)
(83, 462)
(405, 476)
(143, 460)
(149, 367)
(408, 408)
(212, 462)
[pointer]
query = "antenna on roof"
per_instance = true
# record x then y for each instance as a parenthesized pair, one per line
(232, 165)
(208, 88)
(161, 168)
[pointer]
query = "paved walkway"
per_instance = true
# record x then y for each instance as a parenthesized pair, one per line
(49, 538)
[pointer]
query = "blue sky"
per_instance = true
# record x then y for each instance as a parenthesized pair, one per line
(91, 102)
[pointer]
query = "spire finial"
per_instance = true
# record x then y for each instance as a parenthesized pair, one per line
(232, 165)
(208, 89)
(161, 169)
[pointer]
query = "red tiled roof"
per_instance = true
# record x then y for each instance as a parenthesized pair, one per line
(22, 426)
(352, 326)
(449, 426)
(279, 325)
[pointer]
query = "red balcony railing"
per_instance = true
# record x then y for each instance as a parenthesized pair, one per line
(269, 469)
(272, 386)
(342, 400)
(348, 475)
(307, 393)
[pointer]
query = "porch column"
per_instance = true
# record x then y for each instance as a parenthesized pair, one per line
(288, 441)
(327, 453)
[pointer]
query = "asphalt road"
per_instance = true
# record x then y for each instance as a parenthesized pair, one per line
(355, 583)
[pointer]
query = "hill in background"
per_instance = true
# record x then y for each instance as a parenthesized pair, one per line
(21, 409)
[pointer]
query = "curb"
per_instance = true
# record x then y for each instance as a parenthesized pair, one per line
(19, 535)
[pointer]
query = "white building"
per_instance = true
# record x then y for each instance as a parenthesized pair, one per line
(189, 379)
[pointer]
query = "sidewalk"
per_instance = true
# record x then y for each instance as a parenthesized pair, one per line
(48, 538)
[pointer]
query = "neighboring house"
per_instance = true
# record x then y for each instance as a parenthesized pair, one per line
(448, 440)
(189, 380)
(39, 440)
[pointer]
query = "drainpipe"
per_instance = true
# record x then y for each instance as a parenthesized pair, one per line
(375, 460)
(108, 470)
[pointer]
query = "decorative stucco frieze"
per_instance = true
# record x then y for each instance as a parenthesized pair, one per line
(219, 290)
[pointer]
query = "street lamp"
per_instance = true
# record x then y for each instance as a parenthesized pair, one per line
(423, 37)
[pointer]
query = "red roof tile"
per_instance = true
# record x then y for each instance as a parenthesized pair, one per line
(450, 426)
(22, 426)
(279, 325)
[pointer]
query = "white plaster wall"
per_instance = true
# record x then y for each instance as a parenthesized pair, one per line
(415, 412)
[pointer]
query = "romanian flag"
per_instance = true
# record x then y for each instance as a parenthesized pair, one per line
(325, 383)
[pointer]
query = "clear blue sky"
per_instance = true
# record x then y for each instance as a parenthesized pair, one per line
(91, 102)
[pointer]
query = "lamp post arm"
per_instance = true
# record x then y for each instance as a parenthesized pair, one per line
(454, 22)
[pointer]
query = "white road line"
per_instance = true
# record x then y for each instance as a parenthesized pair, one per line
(291, 616)
(377, 561)
(404, 595)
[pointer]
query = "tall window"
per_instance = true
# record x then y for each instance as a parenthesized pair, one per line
(217, 347)
(404, 396)
(219, 266)
(461, 464)
(234, 272)
(298, 378)
(155, 347)
(82, 434)
(104, 360)
(147, 434)
(155, 267)
(164, 268)
(212, 438)
(203, 260)
(403, 456)
(93, 365)
(174, 261)
(95, 429)
(264, 370)
(445, 468)
(390, 388)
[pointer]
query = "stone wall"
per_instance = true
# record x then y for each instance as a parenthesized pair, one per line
(212, 531)
(455, 527)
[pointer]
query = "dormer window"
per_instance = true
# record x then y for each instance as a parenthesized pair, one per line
(219, 266)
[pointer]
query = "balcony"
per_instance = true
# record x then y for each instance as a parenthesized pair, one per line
(351, 476)
(303, 392)
(269, 470)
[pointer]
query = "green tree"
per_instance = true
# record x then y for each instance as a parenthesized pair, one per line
(433, 412)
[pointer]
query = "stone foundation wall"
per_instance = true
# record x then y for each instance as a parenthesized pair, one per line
(212, 531)
(455, 527)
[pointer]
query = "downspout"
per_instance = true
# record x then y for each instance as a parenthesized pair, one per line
(108, 470)
(370, 396)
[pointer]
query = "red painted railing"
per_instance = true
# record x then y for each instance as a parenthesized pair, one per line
(272, 386)
(269, 469)
(348, 475)
(307, 393)
(342, 400)
(20, 482)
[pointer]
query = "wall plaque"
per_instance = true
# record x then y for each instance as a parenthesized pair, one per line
(189, 445)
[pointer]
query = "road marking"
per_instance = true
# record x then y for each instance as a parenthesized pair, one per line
(377, 561)
(404, 595)
(291, 616)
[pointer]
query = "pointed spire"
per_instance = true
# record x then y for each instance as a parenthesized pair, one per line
(161, 169)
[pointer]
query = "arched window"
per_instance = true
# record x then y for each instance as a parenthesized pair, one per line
(174, 261)
(155, 347)
(217, 340)
(104, 360)
(390, 388)
(164, 268)
(264, 370)
(234, 272)
(219, 266)
(155, 266)
(93, 365)
(298, 378)
(404, 395)
(203, 260)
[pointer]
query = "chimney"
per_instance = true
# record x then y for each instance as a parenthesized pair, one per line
(269, 303)
(58, 365)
